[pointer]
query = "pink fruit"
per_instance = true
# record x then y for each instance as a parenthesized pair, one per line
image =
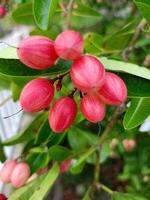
(64, 166)
(69, 45)
(129, 144)
(6, 171)
(87, 73)
(36, 95)
(3, 11)
(62, 114)
(20, 175)
(37, 52)
(114, 91)
(92, 109)
(3, 197)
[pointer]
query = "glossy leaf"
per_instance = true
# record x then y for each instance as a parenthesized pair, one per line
(44, 11)
(46, 184)
(138, 111)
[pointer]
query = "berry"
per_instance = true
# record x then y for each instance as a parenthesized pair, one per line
(87, 73)
(62, 114)
(36, 95)
(69, 45)
(7, 169)
(3, 197)
(129, 144)
(64, 166)
(3, 11)
(37, 52)
(92, 109)
(114, 91)
(20, 175)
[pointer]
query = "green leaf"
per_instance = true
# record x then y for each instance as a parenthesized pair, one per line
(87, 195)
(16, 90)
(2, 154)
(86, 139)
(138, 111)
(120, 66)
(59, 153)
(144, 7)
(86, 15)
(47, 33)
(38, 160)
(93, 43)
(46, 184)
(23, 14)
(122, 196)
(29, 132)
(44, 11)
(25, 192)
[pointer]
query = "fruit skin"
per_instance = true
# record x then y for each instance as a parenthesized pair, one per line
(3, 197)
(114, 91)
(20, 175)
(37, 52)
(7, 169)
(3, 11)
(69, 45)
(64, 166)
(62, 114)
(92, 109)
(129, 144)
(36, 95)
(87, 73)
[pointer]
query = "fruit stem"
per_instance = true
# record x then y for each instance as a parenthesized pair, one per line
(72, 93)
(2, 42)
(13, 114)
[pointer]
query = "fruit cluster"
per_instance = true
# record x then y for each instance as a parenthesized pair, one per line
(15, 173)
(96, 86)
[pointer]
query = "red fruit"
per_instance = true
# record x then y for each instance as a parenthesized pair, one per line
(20, 175)
(3, 197)
(64, 166)
(62, 114)
(37, 52)
(69, 45)
(129, 144)
(36, 95)
(6, 171)
(3, 11)
(92, 109)
(87, 73)
(114, 91)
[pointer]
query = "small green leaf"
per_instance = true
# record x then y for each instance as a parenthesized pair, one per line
(23, 14)
(59, 153)
(144, 7)
(29, 132)
(16, 90)
(138, 111)
(44, 11)
(87, 195)
(46, 184)
(47, 33)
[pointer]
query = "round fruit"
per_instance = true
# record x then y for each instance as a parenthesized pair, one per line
(37, 52)
(36, 95)
(3, 11)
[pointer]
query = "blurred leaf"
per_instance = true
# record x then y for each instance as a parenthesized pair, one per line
(47, 33)
(23, 14)
(122, 196)
(37, 160)
(87, 195)
(16, 90)
(59, 153)
(46, 184)
(29, 132)
(2, 154)
(144, 7)
(86, 15)
(86, 139)
(25, 192)
(138, 111)
(8, 53)
(77, 169)
(44, 11)
(56, 139)
(93, 43)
